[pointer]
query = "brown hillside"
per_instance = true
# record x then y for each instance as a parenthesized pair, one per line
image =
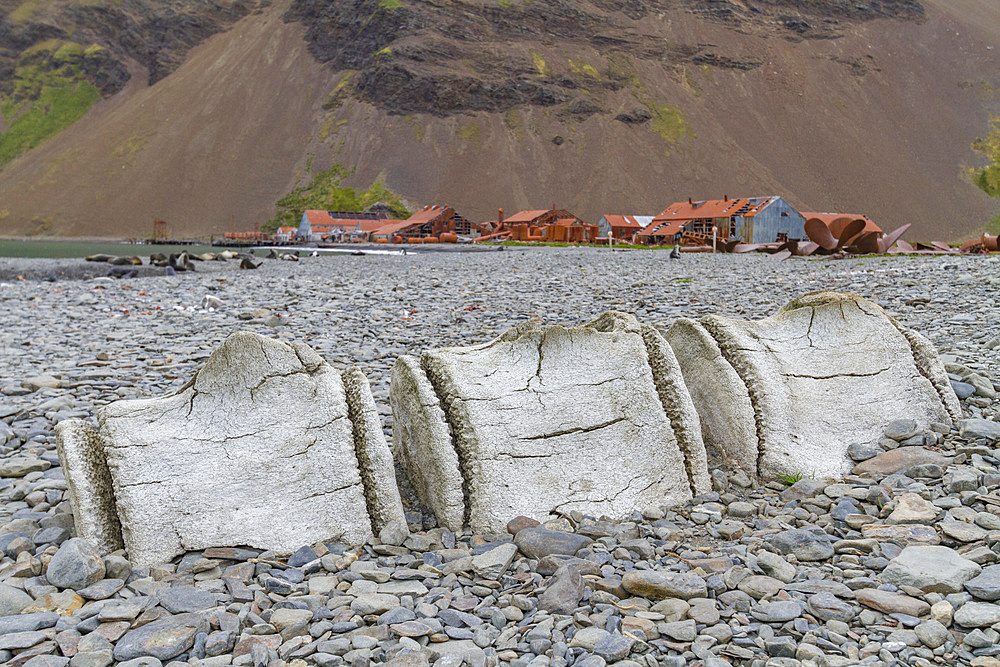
(614, 107)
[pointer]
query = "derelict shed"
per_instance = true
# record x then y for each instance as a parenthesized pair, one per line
(431, 222)
(769, 220)
(747, 219)
(622, 227)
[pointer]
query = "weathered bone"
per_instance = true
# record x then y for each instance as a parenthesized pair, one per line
(267, 446)
(790, 393)
(544, 420)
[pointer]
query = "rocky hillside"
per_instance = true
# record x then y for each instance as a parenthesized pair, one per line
(205, 113)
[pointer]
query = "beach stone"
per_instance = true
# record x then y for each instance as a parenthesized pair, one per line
(374, 603)
(394, 533)
(962, 532)
(28, 622)
(986, 585)
(932, 569)
(895, 460)
(908, 534)
(596, 419)
(13, 641)
(891, 603)
(792, 374)
(758, 587)
(103, 589)
(13, 600)
(977, 614)
(803, 543)
(976, 427)
(942, 612)
(19, 466)
(75, 565)
(285, 618)
(180, 599)
(826, 607)
(777, 612)
(901, 429)
(911, 508)
(681, 631)
(493, 563)
(540, 542)
(863, 451)
(163, 639)
(563, 593)
(47, 661)
(932, 634)
(775, 566)
(297, 416)
(614, 647)
(657, 584)
(587, 638)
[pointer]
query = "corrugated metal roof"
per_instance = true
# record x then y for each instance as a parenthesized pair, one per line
(565, 222)
(663, 227)
(390, 227)
(428, 214)
(629, 221)
(715, 208)
(526, 216)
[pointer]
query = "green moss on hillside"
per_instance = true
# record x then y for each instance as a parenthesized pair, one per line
(50, 92)
(326, 193)
(987, 178)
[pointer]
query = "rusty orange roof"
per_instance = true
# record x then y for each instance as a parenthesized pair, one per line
(425, 215)
(337, 225)
(714, 208)
(526, 216)
(623, 221)
(663, 227)
(286, 230)
(829, 218)
(390, 227)
(565, 222)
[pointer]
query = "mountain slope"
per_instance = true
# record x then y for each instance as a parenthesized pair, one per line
(597, 106)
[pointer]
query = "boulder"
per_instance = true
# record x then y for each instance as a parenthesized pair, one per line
(790, 393)
(267, 446)
(547, 420)
(932, 569)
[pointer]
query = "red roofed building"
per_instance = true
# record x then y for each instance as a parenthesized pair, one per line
(749, 220)
(553, 225)
(431, 221)
(338, 225)
(622, 227)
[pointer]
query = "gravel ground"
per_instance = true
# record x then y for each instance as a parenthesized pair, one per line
(882, 568)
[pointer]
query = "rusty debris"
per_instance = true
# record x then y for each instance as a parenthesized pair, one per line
(844, 236)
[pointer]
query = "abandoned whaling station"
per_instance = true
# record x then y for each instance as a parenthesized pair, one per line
(743, 224)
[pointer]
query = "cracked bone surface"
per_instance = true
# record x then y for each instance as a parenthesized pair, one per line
(790, 393)
(548, 419)
(267, 446)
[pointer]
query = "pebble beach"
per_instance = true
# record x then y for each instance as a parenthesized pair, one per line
(898, 563)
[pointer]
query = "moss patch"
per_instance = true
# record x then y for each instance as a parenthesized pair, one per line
(669, 122)
(993, 226)
(469, 131)
(23, 12)
(389, 5)
(987, 178)
(540, 65)
(583, 69)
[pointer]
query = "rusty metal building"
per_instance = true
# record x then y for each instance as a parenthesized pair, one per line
(749, 220)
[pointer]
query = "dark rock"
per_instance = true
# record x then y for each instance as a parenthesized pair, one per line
(540, 542)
